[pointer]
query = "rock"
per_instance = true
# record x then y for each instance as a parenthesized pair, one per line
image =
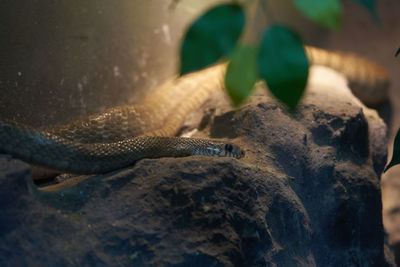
(306, 194)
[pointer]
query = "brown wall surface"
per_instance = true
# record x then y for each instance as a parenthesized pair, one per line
(63, 59)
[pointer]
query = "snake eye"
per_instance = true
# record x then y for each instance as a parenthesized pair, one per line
(228, 147)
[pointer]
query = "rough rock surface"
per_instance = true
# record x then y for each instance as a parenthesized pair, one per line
(306, 194)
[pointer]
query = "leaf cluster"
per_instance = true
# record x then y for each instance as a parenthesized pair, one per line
(279, 59)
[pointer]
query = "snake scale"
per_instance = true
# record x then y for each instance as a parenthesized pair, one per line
(125, 134)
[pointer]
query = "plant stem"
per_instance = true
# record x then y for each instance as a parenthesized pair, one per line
(269, 16)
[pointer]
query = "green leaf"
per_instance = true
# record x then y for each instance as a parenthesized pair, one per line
(241, 74)
(325, 12)
(396, 152)
(283, 64)
(212, 36)
(370, 5)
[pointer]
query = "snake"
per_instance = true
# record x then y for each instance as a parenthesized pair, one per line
(122, 135)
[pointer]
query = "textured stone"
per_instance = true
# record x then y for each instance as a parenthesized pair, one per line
(306, 194)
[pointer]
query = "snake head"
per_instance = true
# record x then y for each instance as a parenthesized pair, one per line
(225, 150)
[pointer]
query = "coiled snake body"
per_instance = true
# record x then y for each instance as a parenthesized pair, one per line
(122, 135)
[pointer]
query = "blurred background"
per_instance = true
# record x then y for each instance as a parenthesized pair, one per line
(63, 59)
(60, 60)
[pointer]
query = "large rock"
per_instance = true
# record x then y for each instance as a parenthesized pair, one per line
(306, 194)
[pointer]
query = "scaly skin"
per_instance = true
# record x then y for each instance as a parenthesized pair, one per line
(58, 153)
(122, 135)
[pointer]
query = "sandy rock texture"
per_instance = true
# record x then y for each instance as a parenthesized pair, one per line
(378, 42)
(306, 194)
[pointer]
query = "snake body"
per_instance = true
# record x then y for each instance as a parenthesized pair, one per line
(58, 153)
(122, 135)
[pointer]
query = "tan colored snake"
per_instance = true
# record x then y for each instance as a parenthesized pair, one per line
(123, 135)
